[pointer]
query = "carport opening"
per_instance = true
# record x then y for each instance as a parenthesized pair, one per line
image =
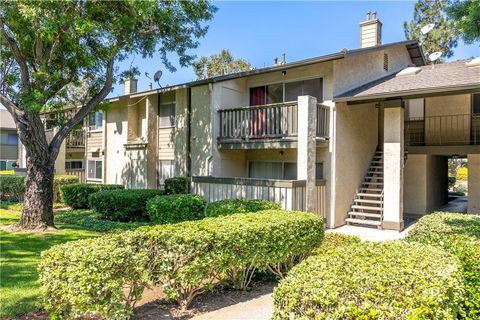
(457, 185)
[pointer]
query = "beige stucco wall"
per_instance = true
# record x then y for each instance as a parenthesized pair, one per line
(201, 131)
(426, 183)
(356, 70)
(474, 183)
(445, 130)
(355, 144)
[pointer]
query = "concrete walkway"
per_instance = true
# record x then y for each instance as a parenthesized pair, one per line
(260, 308)
(371, 234)
(460, 204)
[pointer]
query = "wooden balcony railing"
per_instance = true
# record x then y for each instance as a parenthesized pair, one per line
(271, 121)
(76, 138)
(459, 129)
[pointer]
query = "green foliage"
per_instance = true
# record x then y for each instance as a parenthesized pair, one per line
(333, 241)
(12, 188)
(390, 280)
(89, 220)
(185, 258)
(9, 172)
(459, 234)
(61, 180)
(466, 19)
(219, 64)
(122, 205)
(176, 208)
(442, 37)
(177, 185)
(76, 195)
(231, 206)
(462, 174)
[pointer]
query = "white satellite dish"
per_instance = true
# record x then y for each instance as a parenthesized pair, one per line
(427, 28)
(157, 76)
(434, 56)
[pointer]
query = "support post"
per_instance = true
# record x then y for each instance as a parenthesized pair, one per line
(473, 183)
(393, 162)
(307, 147)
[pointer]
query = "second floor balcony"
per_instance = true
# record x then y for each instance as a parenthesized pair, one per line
(267, 126)
(76, 139)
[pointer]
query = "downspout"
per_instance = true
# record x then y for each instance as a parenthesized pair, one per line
(189, 124)
(333, 175)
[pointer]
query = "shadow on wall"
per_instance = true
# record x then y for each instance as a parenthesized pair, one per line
(134, 173)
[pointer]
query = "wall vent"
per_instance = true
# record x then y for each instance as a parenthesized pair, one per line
(385, 61)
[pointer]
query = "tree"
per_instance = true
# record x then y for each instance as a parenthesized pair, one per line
(442, 37)
(219, 64)
(465, 16)
(48, 48)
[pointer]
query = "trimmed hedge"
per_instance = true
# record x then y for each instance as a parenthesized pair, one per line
(177, 185)
(231, 206)
(176, 208)
(89, 219)
(462, 174)
(333, 241)
(459, 234)
(59, 181)
(122, 205)
(76, 195)
(94, 275)
(390, 280)
(12, 188)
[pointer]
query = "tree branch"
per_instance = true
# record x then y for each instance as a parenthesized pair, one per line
(84, 111)
(17, 54)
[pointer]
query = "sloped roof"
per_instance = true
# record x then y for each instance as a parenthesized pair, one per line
(445, 77)
(6, 120)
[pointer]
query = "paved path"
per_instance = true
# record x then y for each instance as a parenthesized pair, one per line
(260, 308)
(371, 234)
(460, 204)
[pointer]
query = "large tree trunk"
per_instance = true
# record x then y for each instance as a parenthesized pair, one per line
(38, 200)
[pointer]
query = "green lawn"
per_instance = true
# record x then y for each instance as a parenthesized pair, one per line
(19, 256)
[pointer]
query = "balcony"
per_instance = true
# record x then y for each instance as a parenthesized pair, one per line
(271, 125)
(448, 130)
(76, 139)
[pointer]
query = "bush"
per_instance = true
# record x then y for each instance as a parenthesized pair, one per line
(8, 172)
(76, 195)
(459, 234)
(333, 241)
(122, 205)
(390, 280)
(176, 208)
(187, 258)
(462, 174)
(231, 206)
(89, 219)
(177, 185)
(12, 188)
(59, 181)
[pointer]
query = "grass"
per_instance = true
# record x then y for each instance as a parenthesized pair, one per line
(19, 256)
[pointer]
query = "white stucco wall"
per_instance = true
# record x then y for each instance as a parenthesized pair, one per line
(474, 183)
(201, 131)
(116, 137)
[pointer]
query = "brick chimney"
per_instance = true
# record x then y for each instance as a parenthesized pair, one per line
(370, 31)
(130, 86)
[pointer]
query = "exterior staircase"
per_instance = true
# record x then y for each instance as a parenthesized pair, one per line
(367, 208)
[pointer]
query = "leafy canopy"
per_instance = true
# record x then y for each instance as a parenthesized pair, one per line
(219, 64)
(466, 19)
(48, 47)
(442, 37)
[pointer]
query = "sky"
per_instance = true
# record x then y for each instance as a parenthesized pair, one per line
(259, 31)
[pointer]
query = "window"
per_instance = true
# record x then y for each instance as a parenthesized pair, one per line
(312, 87)
(74, 164)
(6, 164)
(319, 170)
(415, 109)
(165, 170)
(167, 115)
(95, 120)
(95, 169)
(9, 139)
(266, 94)
(476, 104)
(278, 170)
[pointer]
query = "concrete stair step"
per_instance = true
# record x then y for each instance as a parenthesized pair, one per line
(364, 222)
(366, 194)
(373, 183)
(359, 207)
(370, 190)
(365, 214)
(367, 201)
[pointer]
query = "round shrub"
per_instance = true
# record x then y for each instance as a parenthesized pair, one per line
(185, 258)
(390, 280)
(333, 240)
(59, 181)
(176, 185)
(176, 208)
(122, 205)
(76, 195)
(459, 234)
(231, 206)
(462, 174)
(12, 188)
